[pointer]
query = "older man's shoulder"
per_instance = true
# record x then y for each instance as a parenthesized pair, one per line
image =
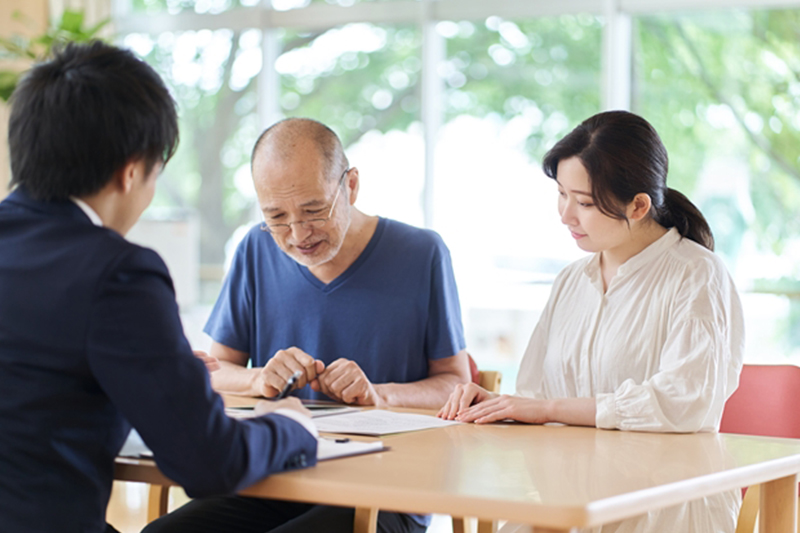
(397, 231)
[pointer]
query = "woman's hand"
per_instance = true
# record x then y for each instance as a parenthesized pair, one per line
(505, 407)
(461, 398)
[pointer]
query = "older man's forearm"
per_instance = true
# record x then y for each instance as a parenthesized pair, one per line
(235, 379)
(429, 393)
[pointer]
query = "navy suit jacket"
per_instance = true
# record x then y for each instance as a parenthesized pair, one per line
(91, 343)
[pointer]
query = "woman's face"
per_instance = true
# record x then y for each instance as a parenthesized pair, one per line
(592, 230)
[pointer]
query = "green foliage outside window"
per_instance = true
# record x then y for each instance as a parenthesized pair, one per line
(548, 66)
(746, 67)
(69, 28)
(725, 87)
(722, 88)
(372, 88)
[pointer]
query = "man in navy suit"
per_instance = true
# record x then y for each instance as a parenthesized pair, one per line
(90, 338)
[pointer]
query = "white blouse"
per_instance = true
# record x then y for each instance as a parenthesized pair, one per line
(660, 350)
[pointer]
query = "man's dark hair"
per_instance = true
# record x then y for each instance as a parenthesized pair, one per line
(82, 116)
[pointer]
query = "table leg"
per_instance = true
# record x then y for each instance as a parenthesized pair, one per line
(157, 500)
(778, 506)
(366, 520)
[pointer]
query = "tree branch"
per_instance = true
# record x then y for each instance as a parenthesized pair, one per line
(758, 140)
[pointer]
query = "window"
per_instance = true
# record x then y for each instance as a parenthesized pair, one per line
(722, 89)
(212, 75)
(362, 80)
(512, 89)
(176, 7)
(447, 107)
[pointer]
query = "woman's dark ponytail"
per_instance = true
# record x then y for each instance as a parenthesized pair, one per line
(680, 213)
(624, 156)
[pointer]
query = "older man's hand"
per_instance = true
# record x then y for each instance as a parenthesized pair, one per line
(282, 366)
(345, 381)
(212, 363)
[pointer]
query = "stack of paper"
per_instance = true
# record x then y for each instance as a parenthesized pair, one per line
(327, 448)
(343, 419)
(317, 410)
(376, 422)
(335, 448)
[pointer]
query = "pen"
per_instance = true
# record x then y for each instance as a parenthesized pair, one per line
(289, 384)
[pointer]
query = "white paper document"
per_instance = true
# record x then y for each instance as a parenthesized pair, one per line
(376, 422)
(329, 448)
(317, 411)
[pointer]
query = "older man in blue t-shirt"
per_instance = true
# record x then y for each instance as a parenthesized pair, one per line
(366, 308)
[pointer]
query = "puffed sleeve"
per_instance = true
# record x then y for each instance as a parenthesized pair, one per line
(140, 358)
(699, 364)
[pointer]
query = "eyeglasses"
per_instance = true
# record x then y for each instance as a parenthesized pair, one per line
(314, 223)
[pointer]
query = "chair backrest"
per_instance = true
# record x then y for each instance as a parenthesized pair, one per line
(488, 379)
(766, 403)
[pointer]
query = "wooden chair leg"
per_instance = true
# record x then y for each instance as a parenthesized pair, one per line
(460, 525)
(466, 524)
(487, 526)
(157, 501)
(366, 520)
(749, 510)
(777, 505)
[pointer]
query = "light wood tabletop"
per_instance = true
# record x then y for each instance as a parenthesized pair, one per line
(552, 477)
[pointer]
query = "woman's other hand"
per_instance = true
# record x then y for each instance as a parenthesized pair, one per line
(463, 396)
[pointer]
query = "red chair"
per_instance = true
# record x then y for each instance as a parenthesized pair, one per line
(766, 403)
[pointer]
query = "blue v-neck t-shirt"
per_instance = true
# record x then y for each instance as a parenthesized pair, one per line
(392, 310)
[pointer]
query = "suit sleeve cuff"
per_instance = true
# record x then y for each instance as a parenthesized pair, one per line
(301, 419)
(606, 415)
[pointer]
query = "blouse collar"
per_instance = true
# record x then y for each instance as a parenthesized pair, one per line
(650, 254)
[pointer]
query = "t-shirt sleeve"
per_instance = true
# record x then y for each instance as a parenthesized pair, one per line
(231, 318)
(140, 358)
(445, 332)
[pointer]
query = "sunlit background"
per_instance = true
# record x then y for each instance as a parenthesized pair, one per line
(446, 107)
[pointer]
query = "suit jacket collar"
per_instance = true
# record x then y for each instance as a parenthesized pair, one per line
(63, 208)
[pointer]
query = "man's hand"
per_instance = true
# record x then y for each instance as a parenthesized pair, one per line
(264, 407)
(344, 381)
(274, 376)
(212, 363)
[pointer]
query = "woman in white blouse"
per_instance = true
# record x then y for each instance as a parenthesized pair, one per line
(645, 334)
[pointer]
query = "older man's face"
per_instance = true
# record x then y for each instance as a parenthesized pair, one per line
(295, 190)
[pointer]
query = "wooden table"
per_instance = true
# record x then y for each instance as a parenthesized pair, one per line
(552, 477)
